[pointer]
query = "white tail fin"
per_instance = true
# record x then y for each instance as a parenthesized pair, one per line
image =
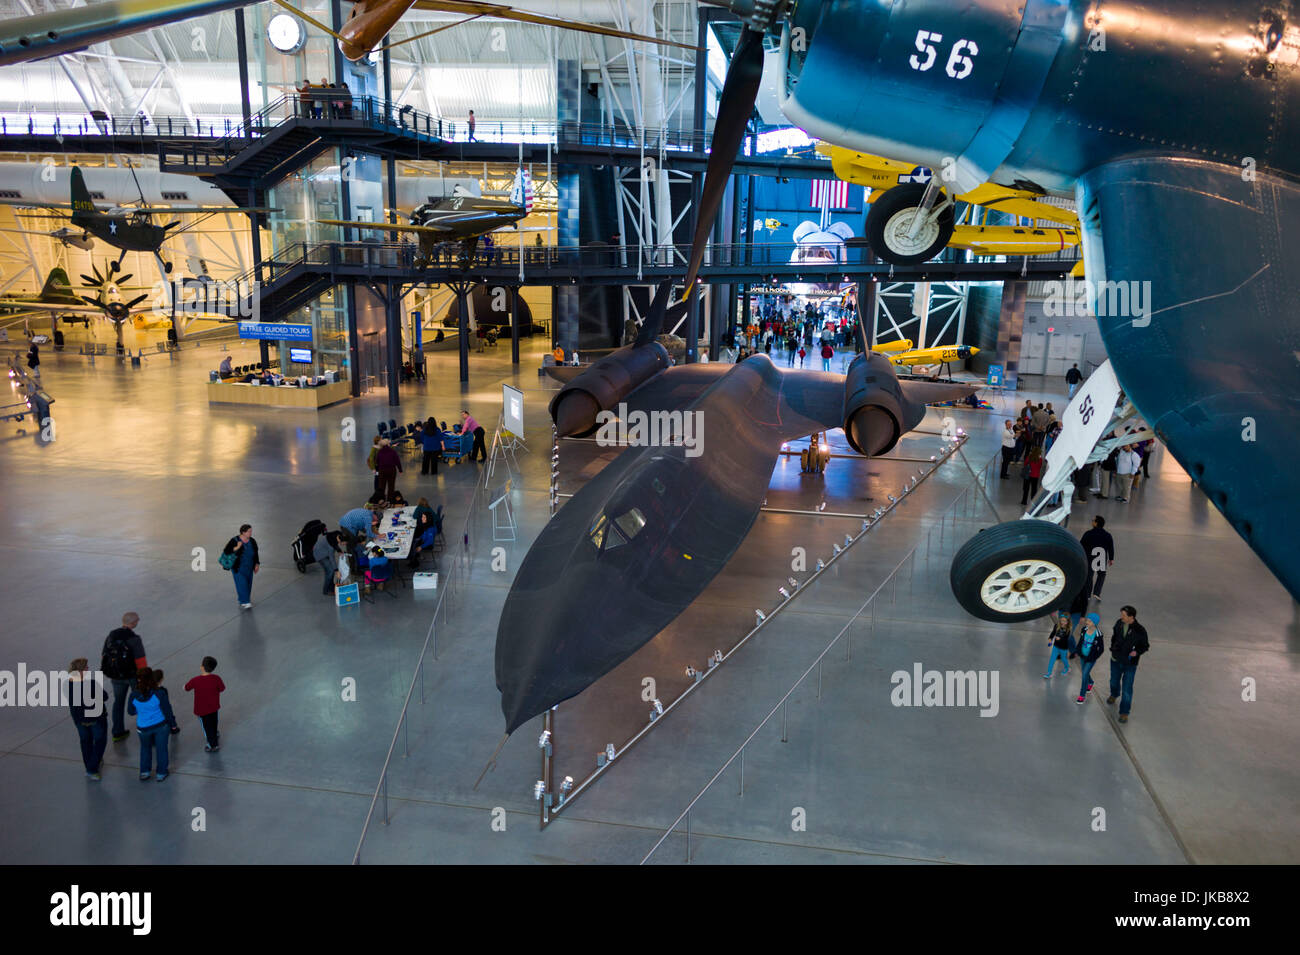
(521, 193)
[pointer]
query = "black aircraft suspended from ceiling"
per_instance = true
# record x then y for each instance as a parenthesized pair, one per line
(632, 549)
(130, 230)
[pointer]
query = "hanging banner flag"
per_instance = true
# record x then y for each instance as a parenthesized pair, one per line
(837, 189)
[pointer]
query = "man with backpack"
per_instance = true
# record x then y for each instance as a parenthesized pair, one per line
(121, 659)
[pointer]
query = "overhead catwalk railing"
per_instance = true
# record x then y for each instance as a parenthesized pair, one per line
(600, 264)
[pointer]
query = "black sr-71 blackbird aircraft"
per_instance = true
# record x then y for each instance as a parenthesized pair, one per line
(638, 543)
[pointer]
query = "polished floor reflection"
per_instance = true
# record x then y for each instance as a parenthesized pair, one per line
(129, 506)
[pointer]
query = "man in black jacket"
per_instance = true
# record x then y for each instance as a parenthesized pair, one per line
(1099, 547)
(1073, 377)
(1127, 644)
(121, 658)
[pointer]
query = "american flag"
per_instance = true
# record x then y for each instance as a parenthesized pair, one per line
(837, 189)
(522, 192)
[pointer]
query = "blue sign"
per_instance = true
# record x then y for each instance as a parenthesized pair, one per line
(268, 330)
(995, 376)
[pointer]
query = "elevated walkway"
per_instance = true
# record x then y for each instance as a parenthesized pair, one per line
(300, 274)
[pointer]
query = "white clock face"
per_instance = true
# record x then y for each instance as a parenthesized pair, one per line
(285, 33)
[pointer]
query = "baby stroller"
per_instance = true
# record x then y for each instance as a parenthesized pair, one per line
(305, 542)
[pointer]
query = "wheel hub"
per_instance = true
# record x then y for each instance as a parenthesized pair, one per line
(1023, 586)
(900, 224)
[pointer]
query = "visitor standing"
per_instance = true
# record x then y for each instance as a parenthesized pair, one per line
(88, 703)
(1127, 464)
(1099, 549)
(1009, 442)
(470, 122)
(207, 688)
(243, 549)
(154, 721)
(827, 354)
(1090, 645)
(387, 464)
(1127, 644)
(1059, 639)
(470, 426)
(1032, 471)
(120, 660)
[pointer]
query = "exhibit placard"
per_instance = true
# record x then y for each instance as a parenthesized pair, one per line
(275, 332)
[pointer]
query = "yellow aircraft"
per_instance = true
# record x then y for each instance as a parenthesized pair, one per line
(889, 348)
(881, 176)
(934, 356)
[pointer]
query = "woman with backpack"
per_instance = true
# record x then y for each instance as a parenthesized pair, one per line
(1090, 645)
(1033, 470)
(240, 557)
(154, 720)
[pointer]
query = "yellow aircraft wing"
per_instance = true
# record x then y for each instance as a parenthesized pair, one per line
(889, 348)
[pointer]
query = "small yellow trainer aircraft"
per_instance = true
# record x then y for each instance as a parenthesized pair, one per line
(892, 185)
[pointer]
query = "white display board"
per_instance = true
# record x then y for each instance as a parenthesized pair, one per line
(512, 410)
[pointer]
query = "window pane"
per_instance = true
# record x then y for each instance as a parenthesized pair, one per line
(631, 522)
(597, 532)
(614, 538)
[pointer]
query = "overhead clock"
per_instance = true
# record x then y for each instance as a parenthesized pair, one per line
(286, 33)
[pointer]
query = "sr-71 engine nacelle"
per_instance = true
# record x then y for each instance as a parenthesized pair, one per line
(602, 386)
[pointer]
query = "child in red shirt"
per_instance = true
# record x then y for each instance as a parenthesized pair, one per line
(207, 688)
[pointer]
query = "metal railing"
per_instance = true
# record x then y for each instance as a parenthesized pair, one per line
(981, 482)
(453, 578)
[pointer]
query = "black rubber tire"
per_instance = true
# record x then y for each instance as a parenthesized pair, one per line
(302, 566)
(895, 200)
(1004, 543)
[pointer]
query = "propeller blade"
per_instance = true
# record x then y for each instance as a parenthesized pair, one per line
(90, 281)
(120, 279)
(654, 319)
(739, 92)
(91, 301)
(135, 301)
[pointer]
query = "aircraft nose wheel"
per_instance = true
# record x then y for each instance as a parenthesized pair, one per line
(890, 221)
(1018, 570)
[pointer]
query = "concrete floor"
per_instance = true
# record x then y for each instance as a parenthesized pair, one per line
(105, 519)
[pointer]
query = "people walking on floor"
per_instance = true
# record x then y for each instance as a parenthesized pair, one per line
(1099, 549)
(34, 361)
(1127, 644)
(1090, 645)
(387, 464)
(470, 426)
(154, 721)
(1059, 639)
(120, 660)
(1032, 471)
(1127, 463)
(1010, 440)
(207, 688)
(243, 547)
(88, 703)
(802, 355)
(1072, 379)
(790, 347)
(827, 354)
(1147, 448)
(431, 442)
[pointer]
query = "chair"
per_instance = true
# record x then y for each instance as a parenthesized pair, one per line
(383, 429)
(439, 542)
(392, 424)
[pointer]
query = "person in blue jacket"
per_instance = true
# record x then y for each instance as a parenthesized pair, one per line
(1090, 646)
(154, 720)
(247, 563)
(431, 441)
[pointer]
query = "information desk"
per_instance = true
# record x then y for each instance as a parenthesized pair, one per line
(277, 396)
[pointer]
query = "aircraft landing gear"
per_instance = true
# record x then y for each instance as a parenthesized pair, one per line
(814, 458)
(892, 230)
(1018, 570)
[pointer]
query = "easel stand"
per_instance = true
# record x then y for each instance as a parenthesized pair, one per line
(504, 445)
